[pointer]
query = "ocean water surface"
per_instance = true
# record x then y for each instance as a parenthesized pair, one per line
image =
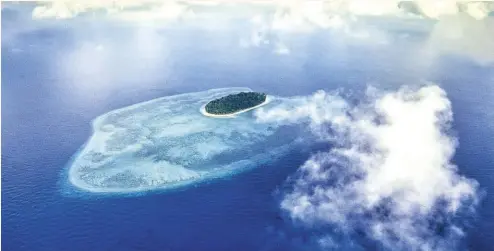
(57, 79)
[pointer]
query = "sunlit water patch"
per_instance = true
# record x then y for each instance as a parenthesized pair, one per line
(167, 142)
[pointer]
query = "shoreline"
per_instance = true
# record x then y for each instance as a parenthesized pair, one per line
(232, 115)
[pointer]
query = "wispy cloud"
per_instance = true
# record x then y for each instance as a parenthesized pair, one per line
(390, 173)
(466, 36)
(97, 66)
(281, 49)
(124, 10)
(316, 12)
(454, 27)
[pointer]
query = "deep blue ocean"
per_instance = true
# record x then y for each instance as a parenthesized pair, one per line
(46, 118)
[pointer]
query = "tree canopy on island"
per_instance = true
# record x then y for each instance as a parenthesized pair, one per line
(235, 102)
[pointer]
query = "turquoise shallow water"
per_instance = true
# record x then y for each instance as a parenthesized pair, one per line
(167, 142)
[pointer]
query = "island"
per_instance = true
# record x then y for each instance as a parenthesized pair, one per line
(235, 103)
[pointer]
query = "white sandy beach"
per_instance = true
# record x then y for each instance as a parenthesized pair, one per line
(232, 115)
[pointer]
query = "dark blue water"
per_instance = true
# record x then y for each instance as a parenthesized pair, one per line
(39, 136)
(46, 118)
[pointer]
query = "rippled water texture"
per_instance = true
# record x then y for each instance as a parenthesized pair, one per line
(167, 142)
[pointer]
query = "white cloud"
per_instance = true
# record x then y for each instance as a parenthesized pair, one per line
(281, 49)
(436, 9)
(270, 18)
(258, 35)
(164, 11)
(479, 10)
(56, 10)
(316, 12)
(390, 172)
(123, 10)
(464, 35)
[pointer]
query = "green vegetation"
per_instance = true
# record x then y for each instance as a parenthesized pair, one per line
(235, 102)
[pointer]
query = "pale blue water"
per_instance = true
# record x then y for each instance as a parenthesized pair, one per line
(47, 114)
